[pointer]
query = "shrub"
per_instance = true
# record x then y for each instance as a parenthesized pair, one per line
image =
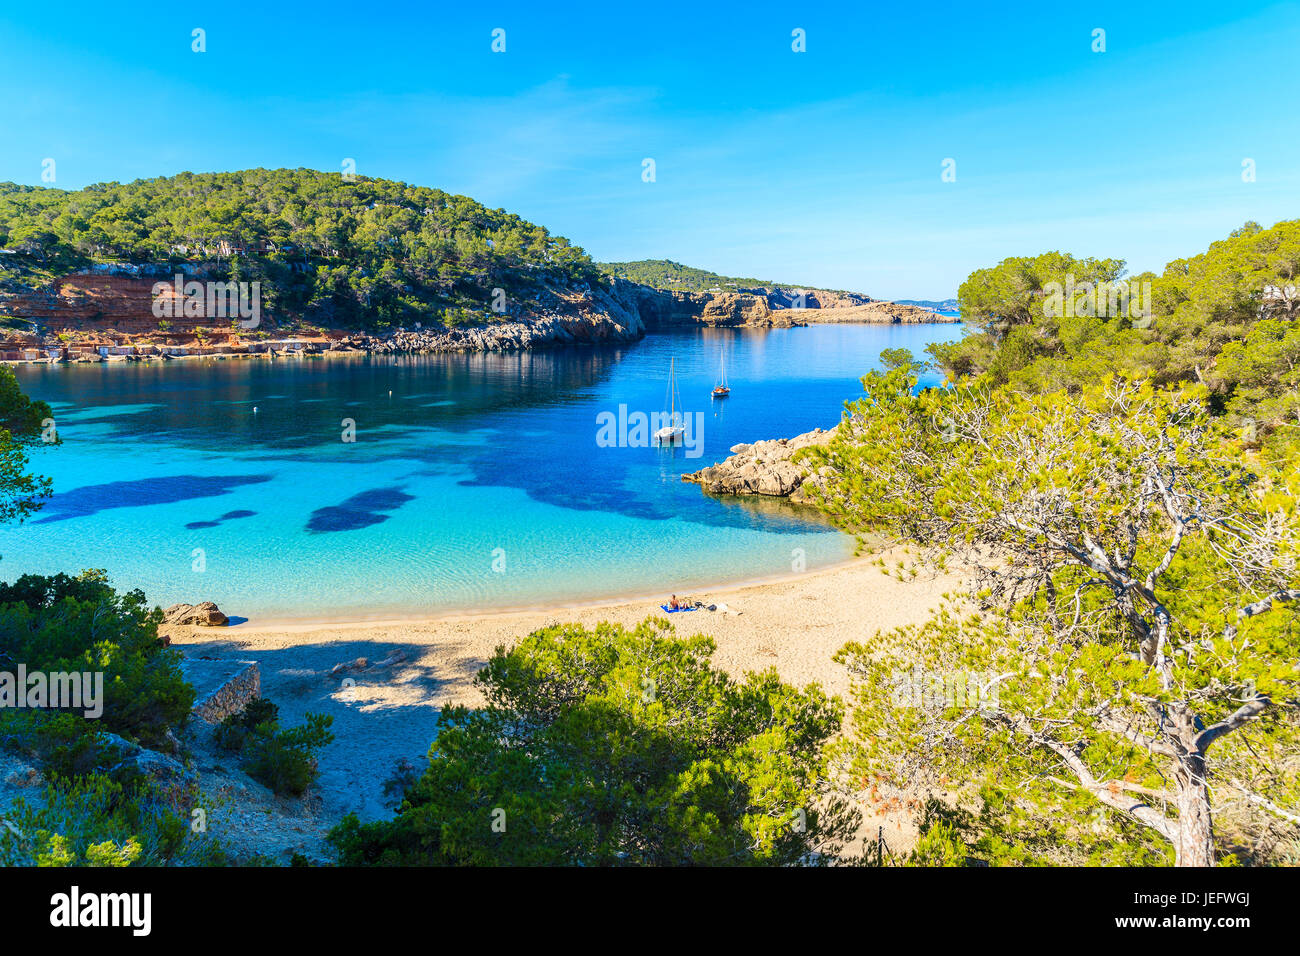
(96, 821)
(616, 747)
(65, 744)
(284, 760)
(405, 775)
(233, 732)
(80, 624)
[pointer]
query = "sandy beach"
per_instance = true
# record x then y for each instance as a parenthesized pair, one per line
(795, 624)
(385, 713)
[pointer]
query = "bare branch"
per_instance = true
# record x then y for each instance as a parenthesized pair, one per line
(1139, 811)
(1259, 607)
(1239, 717)
(1267, 804)
(1125, 729)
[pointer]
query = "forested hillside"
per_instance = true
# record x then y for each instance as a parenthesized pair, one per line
(365, 252)
(666, 274)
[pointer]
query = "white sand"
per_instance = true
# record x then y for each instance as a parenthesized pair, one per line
(795, 625)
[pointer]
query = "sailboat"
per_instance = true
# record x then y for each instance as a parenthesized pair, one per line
(722, 389)
(673, 430)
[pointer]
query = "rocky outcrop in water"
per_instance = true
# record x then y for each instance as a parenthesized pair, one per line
(779, 308)
(765, 468)
(883, 313)
(659, 309)
(732, 309)
(815, 299)
(506, 337)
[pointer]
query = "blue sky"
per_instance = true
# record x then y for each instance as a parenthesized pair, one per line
(822, 167)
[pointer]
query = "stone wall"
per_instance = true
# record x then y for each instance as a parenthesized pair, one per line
(224, 687)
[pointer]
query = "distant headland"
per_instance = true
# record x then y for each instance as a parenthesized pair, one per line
(266, 262)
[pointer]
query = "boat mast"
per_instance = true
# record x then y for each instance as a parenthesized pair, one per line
(672, 392)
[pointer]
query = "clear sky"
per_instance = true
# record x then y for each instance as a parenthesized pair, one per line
(821, 167)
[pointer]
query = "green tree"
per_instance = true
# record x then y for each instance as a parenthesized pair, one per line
(22, 421)
(80, 624)
(1015, 291)
(891, 359)
(364, 252)
(1224, 318)
(1136, 573)
(619, 747)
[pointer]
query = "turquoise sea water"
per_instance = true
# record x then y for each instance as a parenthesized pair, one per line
(474, 482)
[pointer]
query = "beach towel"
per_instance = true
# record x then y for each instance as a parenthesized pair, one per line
(674, 610)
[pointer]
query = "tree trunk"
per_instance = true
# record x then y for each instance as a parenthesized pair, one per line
(1194, 844)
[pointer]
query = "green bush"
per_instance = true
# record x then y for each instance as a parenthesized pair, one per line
(618, 747)
(405, 775)
(233, 733)
(96, 821)
(65, 745)
(283, 759)
(80, 624)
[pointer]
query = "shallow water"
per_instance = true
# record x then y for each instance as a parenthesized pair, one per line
(474, 481)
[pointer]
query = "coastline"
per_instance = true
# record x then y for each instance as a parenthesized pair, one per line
(796, 623)
(475, 340)
(385, 684)
(307, 625)
(258, 603)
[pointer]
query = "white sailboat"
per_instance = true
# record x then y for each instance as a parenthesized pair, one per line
(722, 389)
(674, 429)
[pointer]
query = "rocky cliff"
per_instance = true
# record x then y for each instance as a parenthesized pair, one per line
(590, 317)
(765, 468)
(815, 299)
(780, 308)
(91, 302)
(90, 310)
(93, 309)
(887, 313)
(115, 307)
(661, 309)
